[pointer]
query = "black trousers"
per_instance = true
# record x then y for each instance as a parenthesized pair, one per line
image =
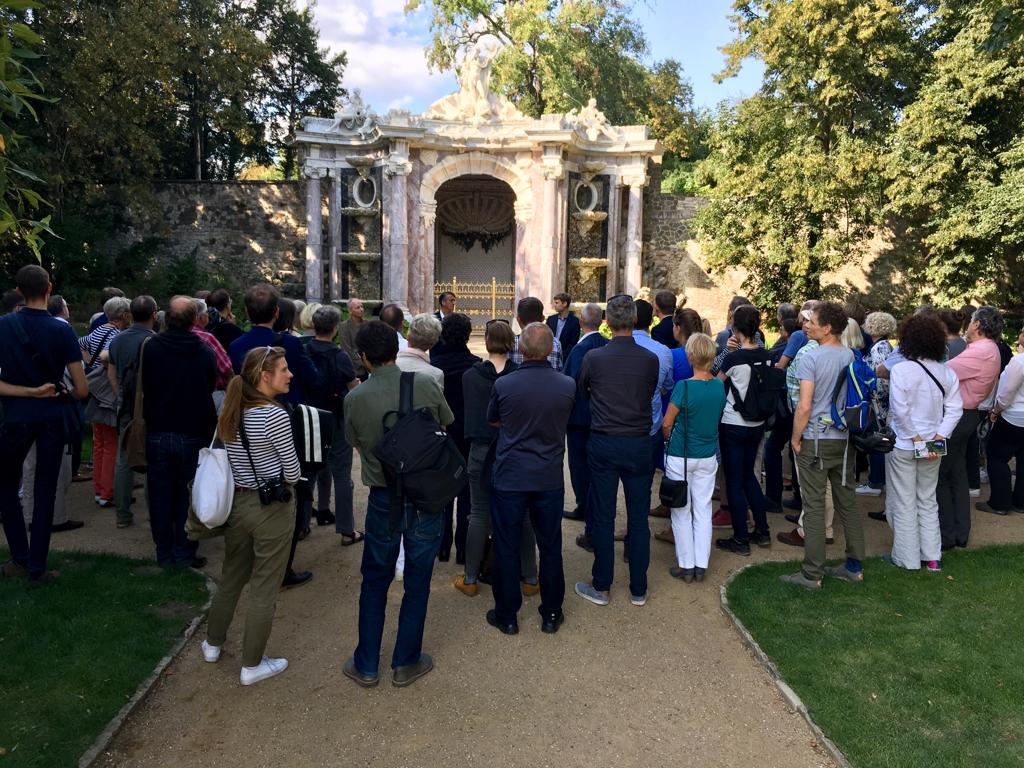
(461, 506)
(952, 491)
(1005, 442)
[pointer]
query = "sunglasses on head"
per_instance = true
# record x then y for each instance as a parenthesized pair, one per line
(489, 323)
(620, 296)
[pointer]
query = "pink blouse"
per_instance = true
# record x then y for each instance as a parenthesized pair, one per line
(977, 367)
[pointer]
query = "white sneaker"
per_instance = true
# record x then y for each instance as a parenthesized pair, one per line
(266, 668)
(984, 475)
(975, 492)
(867, 490)
(211, 652)
(399, 574)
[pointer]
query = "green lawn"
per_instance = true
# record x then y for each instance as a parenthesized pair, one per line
(73, 652)
(907, 669)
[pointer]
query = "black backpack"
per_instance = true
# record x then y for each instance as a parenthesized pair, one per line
(329, 392)
(765, 392)
(420, 461)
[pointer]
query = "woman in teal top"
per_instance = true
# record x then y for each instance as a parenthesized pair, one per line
(691, 428)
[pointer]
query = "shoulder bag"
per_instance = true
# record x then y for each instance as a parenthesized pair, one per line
(213, 489)
(133, 440)
(675, 494)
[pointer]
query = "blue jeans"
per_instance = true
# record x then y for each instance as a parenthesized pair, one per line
(628, 459)
(876, 469)
(421, 532)
(579, 473)
(509, 509)
(739, 453)
(15, 442)
(172, 458)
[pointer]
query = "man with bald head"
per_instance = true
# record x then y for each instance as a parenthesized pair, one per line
(179, 372)
(530, 407)
(347, 335)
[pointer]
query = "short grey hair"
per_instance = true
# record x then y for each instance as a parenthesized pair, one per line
(621, 313)
(201, 308)
(990, 322)
(424, 331)
(326, 319)
(590, 315)
(116, 308)
(536, 341)
(880, 324)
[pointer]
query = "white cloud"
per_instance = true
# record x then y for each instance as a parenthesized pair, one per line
(385, 50)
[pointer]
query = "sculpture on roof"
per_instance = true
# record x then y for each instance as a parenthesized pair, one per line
(592, 122)
(352, 116)
(474, 102)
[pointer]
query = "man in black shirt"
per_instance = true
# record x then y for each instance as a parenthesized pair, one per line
(620, 379)
(532, 406)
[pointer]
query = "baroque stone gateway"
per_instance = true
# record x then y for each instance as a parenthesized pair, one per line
(473, 191)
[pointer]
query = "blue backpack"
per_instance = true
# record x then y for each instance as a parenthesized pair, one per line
(852, 413)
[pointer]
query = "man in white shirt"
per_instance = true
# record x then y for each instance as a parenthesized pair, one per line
(393, 316)
(446, 305)
(424, 331)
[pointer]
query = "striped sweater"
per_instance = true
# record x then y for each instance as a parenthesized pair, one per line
(271, 444)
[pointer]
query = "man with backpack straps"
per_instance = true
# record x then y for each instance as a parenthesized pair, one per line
(822, 452)
(335, 381)
(370, 410)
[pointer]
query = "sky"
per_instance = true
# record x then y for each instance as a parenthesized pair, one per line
(386, 60)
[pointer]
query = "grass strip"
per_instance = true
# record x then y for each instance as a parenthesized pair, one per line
(908, 668)
(73, 652)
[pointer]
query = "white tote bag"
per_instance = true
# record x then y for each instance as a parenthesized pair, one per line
(213, 489)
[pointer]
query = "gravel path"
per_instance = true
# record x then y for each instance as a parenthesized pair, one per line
(666, 684)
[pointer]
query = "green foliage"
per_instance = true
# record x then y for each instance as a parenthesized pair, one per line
(956, 168)
(21, 226)
(559, 54)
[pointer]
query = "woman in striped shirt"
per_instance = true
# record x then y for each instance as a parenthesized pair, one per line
(257, 433)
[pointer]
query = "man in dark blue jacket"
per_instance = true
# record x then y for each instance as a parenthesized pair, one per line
(563, 324)
(579, 421)
(665, 307)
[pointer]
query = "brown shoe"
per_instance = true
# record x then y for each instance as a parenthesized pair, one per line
(467, 589)
(793, 538)
(660, 511)
(14, 570)
(620, 536)
(529, 590)
(666, 536)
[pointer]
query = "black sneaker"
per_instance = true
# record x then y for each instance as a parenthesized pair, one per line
(583, 541)
(733, 545)
(549, 625)
(508, 629)
(761, 538)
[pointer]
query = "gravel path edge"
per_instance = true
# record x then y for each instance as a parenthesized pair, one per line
(790, 696)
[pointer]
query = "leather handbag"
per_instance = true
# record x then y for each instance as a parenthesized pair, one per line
(133, 441)
(675, 494)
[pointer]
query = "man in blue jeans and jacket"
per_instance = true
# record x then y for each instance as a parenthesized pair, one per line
(365, 409)
(620, 379)
(531, 406)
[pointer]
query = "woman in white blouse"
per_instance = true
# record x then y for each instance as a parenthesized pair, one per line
(256, 430)
(924, 405)
(1006, 441)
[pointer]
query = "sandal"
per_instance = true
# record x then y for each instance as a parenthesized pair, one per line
(348, 539)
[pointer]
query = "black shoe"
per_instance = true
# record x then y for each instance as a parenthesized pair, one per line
(879, 516)
(583, 541)
(444, 557)
(410, 673)
(761, 538)
(198, 562)
(304, 534)
(575, 514)
(508, 629)
(67, 525)
(794, 505)
(962, 544)
(460, 558)
(686, 574)
(774, 508)
(551, 624)
(981, 506)
(698, 574)
(367, 681)
(484, 577)
(295, 579)
(324, 517)
(734, 546)
(794, 519)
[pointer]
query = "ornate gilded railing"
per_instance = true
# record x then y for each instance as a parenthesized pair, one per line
(484, 300)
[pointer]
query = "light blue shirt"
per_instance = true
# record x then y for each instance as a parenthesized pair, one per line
(665, 381)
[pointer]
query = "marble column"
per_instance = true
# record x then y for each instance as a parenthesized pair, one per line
(614, 224)
(548, 279)
(425, 246)
(526, 267)
(334, 237)
(314, 236)
(396, 268)
(634, 235)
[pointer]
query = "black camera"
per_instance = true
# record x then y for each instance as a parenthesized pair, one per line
(274, 491)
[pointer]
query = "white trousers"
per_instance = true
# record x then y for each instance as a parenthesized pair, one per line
(911, 508)
(691, 525)
(28, 481)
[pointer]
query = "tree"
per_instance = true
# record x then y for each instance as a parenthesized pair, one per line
(956, 168)
(20, 225)
(794, 177)
(302, 78)
(559, 53)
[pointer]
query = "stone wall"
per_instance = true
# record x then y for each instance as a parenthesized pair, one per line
(240, 233)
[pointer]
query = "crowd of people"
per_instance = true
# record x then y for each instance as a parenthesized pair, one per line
(623, 393)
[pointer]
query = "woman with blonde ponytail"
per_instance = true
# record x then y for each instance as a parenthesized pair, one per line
(256, 430)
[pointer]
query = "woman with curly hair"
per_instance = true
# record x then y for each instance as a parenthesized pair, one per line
(925, 404)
